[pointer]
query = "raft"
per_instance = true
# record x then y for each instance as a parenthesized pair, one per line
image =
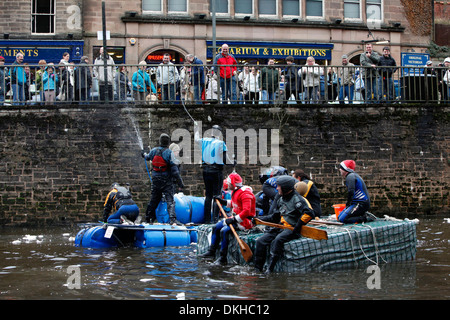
(141, 236)
(350, 245)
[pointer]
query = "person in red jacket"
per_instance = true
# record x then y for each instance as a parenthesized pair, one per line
(243, 203)
(227, 74)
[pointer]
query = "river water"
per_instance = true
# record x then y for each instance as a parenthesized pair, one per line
(45, 264)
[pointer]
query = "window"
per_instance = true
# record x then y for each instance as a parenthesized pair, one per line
(243, 7)
(291, 7)
(222, 6)
(314, 8)
(152, 5)
(352, 9)
(43, 16)
(117, 53)
(267, 7)
(373, 10)
(177, 5)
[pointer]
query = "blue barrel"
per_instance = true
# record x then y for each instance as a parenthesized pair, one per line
(193, 231)
(94, 237)
(187, 209)
(162, 236)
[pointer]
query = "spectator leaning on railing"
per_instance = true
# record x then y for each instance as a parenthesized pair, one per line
(369, 61)
(346, 73)
(197, 79)
(226, 74)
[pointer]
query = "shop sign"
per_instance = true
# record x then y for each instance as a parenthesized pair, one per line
(267, 50)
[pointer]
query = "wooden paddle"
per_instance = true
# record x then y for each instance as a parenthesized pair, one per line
(308, 232)
(245, 249)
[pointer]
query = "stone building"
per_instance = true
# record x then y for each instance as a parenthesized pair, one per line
(254, 29)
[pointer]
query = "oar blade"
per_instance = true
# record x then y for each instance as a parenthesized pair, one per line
(314, 233)
(247, 253)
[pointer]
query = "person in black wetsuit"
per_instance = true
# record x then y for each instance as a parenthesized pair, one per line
(291, 209)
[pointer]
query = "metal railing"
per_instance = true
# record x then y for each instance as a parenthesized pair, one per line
(234, 84)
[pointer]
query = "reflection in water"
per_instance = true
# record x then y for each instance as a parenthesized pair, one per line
(34, 265)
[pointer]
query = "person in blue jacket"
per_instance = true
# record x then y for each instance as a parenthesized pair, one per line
(358, 200)
(164, 172)
(49, 80)
(197, 76)
(142, 83)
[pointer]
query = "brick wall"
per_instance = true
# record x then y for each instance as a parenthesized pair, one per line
(56, 164)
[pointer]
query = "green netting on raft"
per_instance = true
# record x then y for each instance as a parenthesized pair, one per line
(376, 242)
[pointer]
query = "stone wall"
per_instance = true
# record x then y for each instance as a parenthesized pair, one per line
(57, 163)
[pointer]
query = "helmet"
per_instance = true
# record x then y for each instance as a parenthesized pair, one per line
(286, 183)
(164, 140)
(115, 185)
(234, 180)
(347, 165)
(301, 187)
(272, 172)
(278, 171)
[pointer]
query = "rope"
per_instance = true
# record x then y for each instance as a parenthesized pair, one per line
(375, 243)
(353, 248)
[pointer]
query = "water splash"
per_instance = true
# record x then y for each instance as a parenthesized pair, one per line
(136, 130)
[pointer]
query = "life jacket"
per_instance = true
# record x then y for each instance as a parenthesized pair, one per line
(158, 162)
(309, 184)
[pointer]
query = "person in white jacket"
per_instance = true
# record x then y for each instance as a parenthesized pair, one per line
(211, 88)
(99, 73)
(311, 72)
(252, 85)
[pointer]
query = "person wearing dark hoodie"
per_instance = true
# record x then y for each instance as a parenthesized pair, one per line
(291, 210)
(358, 200)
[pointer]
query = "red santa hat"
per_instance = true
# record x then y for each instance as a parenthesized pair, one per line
(347, 165)
(234, 180)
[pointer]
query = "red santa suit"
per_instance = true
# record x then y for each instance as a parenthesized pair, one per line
(243, 202)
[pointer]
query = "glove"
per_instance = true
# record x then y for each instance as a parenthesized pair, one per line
(143, 153)
(222, 201)
(298, 226)
(231, 220)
